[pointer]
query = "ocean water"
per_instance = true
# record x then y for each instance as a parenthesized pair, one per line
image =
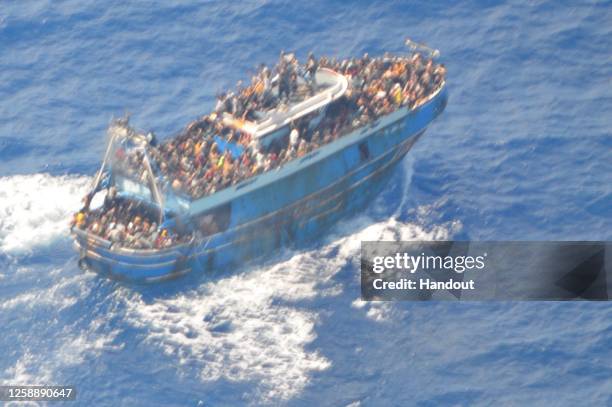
(523, 152)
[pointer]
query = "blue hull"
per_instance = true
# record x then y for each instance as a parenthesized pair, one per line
(288, 206)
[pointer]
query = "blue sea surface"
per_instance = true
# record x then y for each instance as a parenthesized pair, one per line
(522, 152)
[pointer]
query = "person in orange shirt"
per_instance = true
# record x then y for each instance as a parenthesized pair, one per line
(228, 166)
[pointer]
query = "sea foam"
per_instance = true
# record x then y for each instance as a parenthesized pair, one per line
(35, 209)
(254, 325)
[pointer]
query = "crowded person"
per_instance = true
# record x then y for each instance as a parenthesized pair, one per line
(211, 154)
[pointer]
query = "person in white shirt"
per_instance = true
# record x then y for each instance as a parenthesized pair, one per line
(293, 137)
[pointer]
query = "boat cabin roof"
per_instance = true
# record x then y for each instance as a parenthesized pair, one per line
(330, 86)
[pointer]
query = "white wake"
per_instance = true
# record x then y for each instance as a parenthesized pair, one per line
(253, 326)
(250, 326)
(49, 348)
(35, 209)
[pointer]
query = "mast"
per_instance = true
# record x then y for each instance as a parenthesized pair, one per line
(109, 148)
(155, 190)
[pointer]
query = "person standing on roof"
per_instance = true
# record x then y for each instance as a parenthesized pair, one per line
(221, 105)
(311, 67)
(266, 95)
(283, 82)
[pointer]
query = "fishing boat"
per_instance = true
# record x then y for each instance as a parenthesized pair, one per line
(288, 205)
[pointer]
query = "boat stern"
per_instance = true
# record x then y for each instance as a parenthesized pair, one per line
(141, 266)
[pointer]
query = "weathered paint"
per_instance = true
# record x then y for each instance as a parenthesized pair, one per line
(289, 205)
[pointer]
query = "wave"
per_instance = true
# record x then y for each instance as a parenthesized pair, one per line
(255, 326)
(35, 209)
(57, 333)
